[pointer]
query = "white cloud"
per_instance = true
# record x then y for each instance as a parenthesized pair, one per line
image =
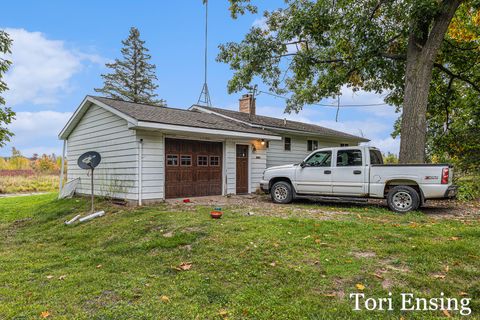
(42, 68)
(36, 132)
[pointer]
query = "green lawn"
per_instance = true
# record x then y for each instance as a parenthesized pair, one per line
(242, 267)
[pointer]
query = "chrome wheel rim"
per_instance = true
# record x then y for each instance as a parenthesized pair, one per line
(280, 193)
(402, 200)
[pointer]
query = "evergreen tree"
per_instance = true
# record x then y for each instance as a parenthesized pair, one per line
(132, 78)
(6, 113)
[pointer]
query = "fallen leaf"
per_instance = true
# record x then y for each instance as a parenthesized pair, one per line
(463, 294)
(359, 216)
(49, 277)
(318, 241)
(165, 299)
(62, 277)
(439, 276)
(273, 264)
(99, 266)
(446, 313)
(378, 276)
(447, 268)
(223, 313)
(454, 238)
(309, 236)
(402, 318)
(45, 314)
(184, 266)
(360, 286)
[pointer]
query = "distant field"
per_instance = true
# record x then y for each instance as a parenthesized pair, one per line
(28, 183)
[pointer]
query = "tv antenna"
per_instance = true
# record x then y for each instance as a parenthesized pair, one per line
(204, 98)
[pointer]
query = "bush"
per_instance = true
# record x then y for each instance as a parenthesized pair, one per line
(468, 187)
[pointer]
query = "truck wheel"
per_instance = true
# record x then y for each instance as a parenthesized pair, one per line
(403, 199)
(281, 192)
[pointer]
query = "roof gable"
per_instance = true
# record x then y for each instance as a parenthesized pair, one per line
(137, 113)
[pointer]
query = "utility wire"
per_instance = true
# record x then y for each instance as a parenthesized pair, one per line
(329, 105)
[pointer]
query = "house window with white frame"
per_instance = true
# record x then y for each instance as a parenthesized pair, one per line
(287, 144)
(312, 145)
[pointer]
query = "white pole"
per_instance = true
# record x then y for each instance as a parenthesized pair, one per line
(140, 171)
(60, 184)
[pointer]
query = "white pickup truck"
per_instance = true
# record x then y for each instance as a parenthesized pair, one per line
(358, 173)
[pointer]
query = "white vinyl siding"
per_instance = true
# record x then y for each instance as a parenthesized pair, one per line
(153, 165)
(258, 164)
(231, 167)
(277, 155)
(102, 131)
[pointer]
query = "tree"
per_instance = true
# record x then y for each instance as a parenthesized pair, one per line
(133, 78)
(313, 48)
(6, 113)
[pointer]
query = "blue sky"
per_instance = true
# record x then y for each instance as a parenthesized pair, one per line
(60, 49)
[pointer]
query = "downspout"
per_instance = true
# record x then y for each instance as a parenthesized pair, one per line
(140, 171)
(62, 169)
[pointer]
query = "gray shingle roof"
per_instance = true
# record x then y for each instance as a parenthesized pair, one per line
(280, 124)
(167, 115)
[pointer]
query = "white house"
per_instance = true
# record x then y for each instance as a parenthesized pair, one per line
(151, 153)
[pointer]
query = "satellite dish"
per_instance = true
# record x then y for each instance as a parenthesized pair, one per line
(89, 160)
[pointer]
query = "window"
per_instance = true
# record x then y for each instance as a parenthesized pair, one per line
(202, 161)
(288, 144)
(320, 159)
(375, 157)
(185, 160)
(214, 161)
(172, 160)
(312, 145)
(343, 144)
(349, 158)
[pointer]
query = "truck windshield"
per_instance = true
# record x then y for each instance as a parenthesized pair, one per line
(375, 157)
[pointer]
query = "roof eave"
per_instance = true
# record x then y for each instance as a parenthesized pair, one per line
(199, 130)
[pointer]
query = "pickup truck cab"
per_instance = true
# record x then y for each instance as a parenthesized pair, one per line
(358, 173)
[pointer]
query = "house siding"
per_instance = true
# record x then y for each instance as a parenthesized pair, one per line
(153, 164)
(277, 155)
(108, 134)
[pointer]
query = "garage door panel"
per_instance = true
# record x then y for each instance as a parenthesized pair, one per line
(201, 177)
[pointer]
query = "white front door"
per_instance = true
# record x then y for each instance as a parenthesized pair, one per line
(315, 175)
(349, 172)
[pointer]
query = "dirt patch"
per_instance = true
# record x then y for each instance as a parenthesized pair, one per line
(106, 298)
(364, 254)
(261, 205)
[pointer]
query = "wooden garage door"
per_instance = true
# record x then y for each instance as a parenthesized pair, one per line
(192, 168)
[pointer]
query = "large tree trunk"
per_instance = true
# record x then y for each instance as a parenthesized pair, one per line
(423, 45)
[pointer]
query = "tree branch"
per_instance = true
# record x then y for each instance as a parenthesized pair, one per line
(456, 76)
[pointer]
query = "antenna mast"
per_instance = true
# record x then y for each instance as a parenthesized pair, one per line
(204, 98)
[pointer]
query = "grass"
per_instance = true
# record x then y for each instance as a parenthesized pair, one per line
(242, 267)
(35, 183)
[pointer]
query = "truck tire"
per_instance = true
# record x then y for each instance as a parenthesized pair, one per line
(281, 192)
(403, 199)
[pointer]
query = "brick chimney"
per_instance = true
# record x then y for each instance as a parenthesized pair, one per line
(247, 104)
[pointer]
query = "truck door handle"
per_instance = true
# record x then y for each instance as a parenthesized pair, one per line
(357, 172)
(327, 171)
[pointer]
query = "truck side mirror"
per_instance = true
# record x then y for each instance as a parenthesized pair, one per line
(303, 164)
